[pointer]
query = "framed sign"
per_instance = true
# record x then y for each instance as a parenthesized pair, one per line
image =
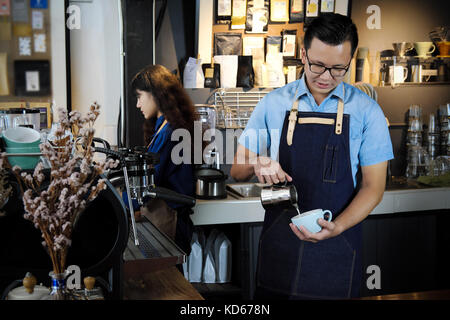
(32, 77)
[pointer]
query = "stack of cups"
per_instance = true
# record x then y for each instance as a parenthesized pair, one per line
(414, 126)
(444, 116)
(431, 141)
(416, 154)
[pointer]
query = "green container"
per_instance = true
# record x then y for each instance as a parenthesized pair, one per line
(25, 162)
(21, 137)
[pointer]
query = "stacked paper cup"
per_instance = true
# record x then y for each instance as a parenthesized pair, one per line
(444, 116)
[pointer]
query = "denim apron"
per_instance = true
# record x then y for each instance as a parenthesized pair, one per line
(314, 151)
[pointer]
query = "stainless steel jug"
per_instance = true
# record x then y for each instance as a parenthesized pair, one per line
(279, 194)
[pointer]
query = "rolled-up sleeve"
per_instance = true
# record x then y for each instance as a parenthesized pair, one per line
(255, 136)
(376, 145)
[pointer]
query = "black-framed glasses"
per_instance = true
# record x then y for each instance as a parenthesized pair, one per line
(334, 71)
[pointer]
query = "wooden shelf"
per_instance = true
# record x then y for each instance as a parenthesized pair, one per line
(218, 291)
(415, 84)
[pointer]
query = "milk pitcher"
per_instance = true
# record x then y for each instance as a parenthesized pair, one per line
(279, 194)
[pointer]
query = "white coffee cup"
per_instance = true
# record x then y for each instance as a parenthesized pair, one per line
(398, 74)
(309, 219)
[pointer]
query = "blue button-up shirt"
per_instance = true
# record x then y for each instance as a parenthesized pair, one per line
(370, 142)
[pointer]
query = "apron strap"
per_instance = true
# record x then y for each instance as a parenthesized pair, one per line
(340, 113)
(292, 121)
(154, 137)
(315, 120)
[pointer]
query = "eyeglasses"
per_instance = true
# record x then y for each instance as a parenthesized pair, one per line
(319, 69)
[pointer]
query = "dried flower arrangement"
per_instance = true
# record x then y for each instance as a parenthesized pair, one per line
(5, 190)
(74, 182)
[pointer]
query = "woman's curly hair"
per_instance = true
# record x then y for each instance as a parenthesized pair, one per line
(170, 97)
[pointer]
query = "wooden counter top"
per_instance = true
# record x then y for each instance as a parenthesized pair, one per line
(424, 295)
(163, 284)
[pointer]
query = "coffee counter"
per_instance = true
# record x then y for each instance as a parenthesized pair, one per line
(248, 210)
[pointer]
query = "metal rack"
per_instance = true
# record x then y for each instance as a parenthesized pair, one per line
(234, 106)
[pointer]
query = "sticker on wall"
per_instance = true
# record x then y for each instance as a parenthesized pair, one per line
(223, 11)
(40, 45)
(32, 81)
(327, 6)
(37, 19)
(24, 46)
(20, 11)
(312, 8)
(32, 78)
(39, 4)
(239, 14)
(5, 7)
(279, 10)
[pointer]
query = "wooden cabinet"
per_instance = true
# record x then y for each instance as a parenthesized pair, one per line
(411, 250)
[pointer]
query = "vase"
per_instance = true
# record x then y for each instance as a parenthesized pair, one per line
(59, 290)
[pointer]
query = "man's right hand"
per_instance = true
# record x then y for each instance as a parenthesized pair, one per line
(269, 171)
(247, 163)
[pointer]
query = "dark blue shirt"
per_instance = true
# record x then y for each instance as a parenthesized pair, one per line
(176, 177)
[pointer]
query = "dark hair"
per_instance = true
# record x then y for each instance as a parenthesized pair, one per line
(170, 97)
(333, 29)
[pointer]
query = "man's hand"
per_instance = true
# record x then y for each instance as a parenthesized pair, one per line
(367, 198)
(247, 163)
(329, 229)
(269, 171)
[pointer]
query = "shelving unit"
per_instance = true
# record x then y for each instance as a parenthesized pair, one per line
(437, 68)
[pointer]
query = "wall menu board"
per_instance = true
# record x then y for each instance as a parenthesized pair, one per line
(270, 31)
(271, 18)
(25, 50)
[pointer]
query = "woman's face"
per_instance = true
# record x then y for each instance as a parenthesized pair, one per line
(147, 104)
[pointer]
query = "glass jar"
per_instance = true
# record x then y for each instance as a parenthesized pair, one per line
(59, 291)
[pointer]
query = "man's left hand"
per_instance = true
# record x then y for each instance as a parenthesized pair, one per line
(329, 230)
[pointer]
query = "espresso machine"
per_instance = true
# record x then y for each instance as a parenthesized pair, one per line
(137, 175)
(103, 242)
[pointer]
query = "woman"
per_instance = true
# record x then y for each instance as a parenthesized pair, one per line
(166, 107)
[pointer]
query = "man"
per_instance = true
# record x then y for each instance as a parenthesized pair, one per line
(332, 142)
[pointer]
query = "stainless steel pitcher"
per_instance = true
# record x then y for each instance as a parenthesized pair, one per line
(279, 194)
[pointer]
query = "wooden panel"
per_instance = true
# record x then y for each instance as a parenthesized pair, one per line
(404, 247)
(165, 284)
(425, 295)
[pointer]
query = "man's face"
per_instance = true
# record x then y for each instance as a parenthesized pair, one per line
(328, 56)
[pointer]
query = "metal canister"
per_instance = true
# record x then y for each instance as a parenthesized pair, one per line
(279, 194)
